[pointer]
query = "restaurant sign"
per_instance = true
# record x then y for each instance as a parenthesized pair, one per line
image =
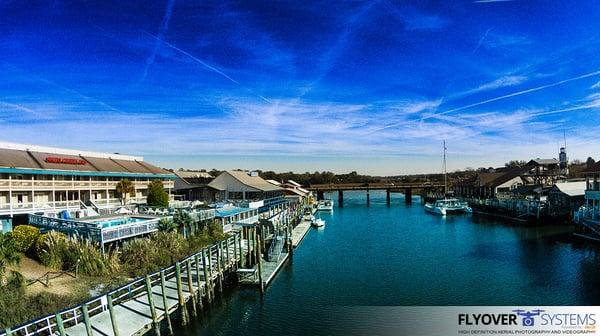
(62, 160)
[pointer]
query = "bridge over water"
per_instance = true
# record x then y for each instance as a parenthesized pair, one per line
(405, 188)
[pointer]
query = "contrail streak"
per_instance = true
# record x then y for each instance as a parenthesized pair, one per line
(514, 94)
(193, 58)
(164, 25)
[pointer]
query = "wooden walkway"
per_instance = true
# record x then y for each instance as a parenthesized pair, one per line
(142, 304)
(300, 231)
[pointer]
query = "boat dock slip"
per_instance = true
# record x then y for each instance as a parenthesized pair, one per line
(269, 270)
(141, 305)
(299, 232)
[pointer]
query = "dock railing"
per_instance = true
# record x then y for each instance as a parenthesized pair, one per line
(52, 324)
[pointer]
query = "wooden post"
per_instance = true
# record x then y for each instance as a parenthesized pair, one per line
(164, 296)
(207, 280)
(227, 253)
(111, 311)
(219, 268)
(241, 251)
(210, 269)
(86, 319)
(259, 258)
(188, 265)
(152, 308)
(60, 325)
(235, 249)
(184, 315)
(197, 262)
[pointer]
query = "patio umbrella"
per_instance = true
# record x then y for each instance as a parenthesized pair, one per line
(123, 211)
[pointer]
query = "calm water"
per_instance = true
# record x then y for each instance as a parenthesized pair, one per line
(400, 255)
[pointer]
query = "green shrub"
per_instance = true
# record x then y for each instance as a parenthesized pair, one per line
(25, 237)
(166, 225)
(86, 258)
(145, 255)
(50, 249)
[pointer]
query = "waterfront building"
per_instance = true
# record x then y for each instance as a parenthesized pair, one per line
(587, 217)
(544, 171)
(193, 185)
(44, 180)
(488, 185)
(245, 188)
(566, 197)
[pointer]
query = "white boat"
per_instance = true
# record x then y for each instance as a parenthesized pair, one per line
(318, 223)
(447, 206)
(325, 205)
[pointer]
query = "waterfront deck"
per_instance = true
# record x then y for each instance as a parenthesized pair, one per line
(139, 306)
(299, 232)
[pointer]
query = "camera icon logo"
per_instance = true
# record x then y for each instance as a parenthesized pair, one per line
(528, 316)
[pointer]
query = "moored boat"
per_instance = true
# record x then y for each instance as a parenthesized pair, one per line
(325, 205)
(448, 206)
(318, 223)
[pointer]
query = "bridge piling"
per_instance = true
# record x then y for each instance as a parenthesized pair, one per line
(368, 198)
(408, 195)
(340, 198)
(320, 195)
(387, 197)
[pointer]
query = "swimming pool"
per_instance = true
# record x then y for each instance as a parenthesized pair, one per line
(109, 222)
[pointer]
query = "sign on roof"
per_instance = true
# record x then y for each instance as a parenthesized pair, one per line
(63, 160)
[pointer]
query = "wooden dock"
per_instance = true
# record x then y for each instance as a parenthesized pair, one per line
(143, 304)
(299, 232)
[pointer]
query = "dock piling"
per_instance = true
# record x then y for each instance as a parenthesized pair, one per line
(188, 266)
(152, 307)
(206, 278)
(340, 198)
(111, 311)
(388, 198)
(60, 325)
(184, 315)
(86, 319)
(164, 297)
(199, 283)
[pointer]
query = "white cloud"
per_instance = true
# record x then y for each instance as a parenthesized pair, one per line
(501, 82)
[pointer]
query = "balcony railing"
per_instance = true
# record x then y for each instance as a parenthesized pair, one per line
(6, 184)
(41, 206)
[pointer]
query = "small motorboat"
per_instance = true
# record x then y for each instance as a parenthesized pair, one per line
(325, 205)
(318, 223)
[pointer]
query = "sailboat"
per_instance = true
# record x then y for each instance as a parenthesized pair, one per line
(446, 205)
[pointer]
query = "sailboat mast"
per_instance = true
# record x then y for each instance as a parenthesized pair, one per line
(445, 172)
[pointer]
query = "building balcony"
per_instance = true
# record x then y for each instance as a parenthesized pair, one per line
(592, 195)
(49, 185)
(30, 207)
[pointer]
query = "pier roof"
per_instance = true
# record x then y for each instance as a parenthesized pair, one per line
(252, 181)
(22, 159)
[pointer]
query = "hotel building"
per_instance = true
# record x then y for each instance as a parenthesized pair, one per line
(42, 180)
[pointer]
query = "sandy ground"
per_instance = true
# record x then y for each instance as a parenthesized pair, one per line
(58, 283)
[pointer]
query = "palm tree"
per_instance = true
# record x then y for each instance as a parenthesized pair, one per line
(8, 254)
(184, 221)
(124, 188)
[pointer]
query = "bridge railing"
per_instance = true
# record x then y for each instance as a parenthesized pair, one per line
(69, 317)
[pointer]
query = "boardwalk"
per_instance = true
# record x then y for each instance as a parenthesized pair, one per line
(140, 305)
(300, 231)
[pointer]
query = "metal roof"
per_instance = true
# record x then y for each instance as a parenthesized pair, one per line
(572, 188)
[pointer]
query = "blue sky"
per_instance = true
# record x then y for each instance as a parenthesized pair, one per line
(371, 86)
